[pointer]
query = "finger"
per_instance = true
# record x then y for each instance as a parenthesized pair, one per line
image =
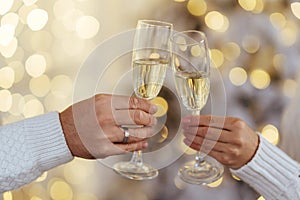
(117, 134)
(126, 102)
(135, 146)
(200, 143)
(210, 133)
(134, 117)
(209, 120)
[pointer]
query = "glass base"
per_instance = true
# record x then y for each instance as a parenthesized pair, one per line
(135, 171)
(206, 172)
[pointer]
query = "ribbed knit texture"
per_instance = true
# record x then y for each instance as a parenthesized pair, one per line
(30, 147)
(272, 173)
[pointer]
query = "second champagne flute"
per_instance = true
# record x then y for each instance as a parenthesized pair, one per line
(150, 59)
(191, 64)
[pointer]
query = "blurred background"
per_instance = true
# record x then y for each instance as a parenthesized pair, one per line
(253, 43)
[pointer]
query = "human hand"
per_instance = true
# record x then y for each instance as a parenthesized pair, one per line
(229, 140)
(92, 127)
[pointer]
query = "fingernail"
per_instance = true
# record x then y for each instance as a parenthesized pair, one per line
(153, 121)
(153, 108)
(145, 144)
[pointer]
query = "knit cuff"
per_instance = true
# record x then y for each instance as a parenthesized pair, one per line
(270, 172)
(46, 141)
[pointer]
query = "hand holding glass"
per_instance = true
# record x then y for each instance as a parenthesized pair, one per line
(151, 56)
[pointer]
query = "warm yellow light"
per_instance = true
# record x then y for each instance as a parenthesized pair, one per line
(289, 88)
(261, 198)
(61, 190)
(9, 50)
(238, 76)
(7, 195)
(42, 177)
(251, 43)
(71, 171)
(248, 5)
(61, 7)
(7, 77)
(197, 7)
(19, 70)
(270, 132)
(17, 106)
(40, 86)
(7, 32)
(216, 183)
(217, 57)
(179, 0)
(259, 6)
(295, 6)
(231, 51)
(10, 18)
(278, 20)
(87, 27)
(33, 108)
(162, 106)
(216, 21)
(235, 177)
(24, 11)
(35, 65)
(61, 86)
(260, 79)
(5, 6)
(197, 51)
(6, 100)
(37, 19)
(289, 34)
(70, 18)
(29, 2)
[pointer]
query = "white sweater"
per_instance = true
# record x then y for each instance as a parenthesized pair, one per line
(30, 147)
(272, 173)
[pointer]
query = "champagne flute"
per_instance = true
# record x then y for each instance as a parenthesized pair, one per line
(191, 64)
(150, 59)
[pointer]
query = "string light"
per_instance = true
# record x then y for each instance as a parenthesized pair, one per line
(5, 6)
(87, 27)
(260, 79)
(37, 19)
(238, 76)
(197, 7)
(270, 132)
(216, 21)
(35, 65)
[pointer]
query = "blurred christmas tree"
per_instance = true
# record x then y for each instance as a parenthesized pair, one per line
(255, 45)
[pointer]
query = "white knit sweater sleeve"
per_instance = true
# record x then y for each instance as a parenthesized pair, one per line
(30, 147)
(272, 173)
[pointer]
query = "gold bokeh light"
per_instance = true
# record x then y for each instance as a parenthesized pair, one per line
(278, 20)
(248, 5)
(238, 76)
(6, 100)
(270, 132)
(35, 65)
(37, 19)
(217, 57)
(40, 86)
(5, 6)
(33, 108)
(260, 79)
(7, 77)
(216, 21)
(197, 7)
(87, 27)
(231, 51)
(295, 6)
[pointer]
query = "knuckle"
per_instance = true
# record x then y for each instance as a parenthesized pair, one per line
(239, 124)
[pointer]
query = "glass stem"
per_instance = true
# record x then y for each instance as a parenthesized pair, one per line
(199, 158)
(137, 158)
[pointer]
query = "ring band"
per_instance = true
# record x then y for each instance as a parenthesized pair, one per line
(126, 135)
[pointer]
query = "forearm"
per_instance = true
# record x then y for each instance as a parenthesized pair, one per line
(272, 173)
(30, 147)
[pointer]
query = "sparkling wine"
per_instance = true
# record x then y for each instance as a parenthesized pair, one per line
(193, 88)
(149, 75)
